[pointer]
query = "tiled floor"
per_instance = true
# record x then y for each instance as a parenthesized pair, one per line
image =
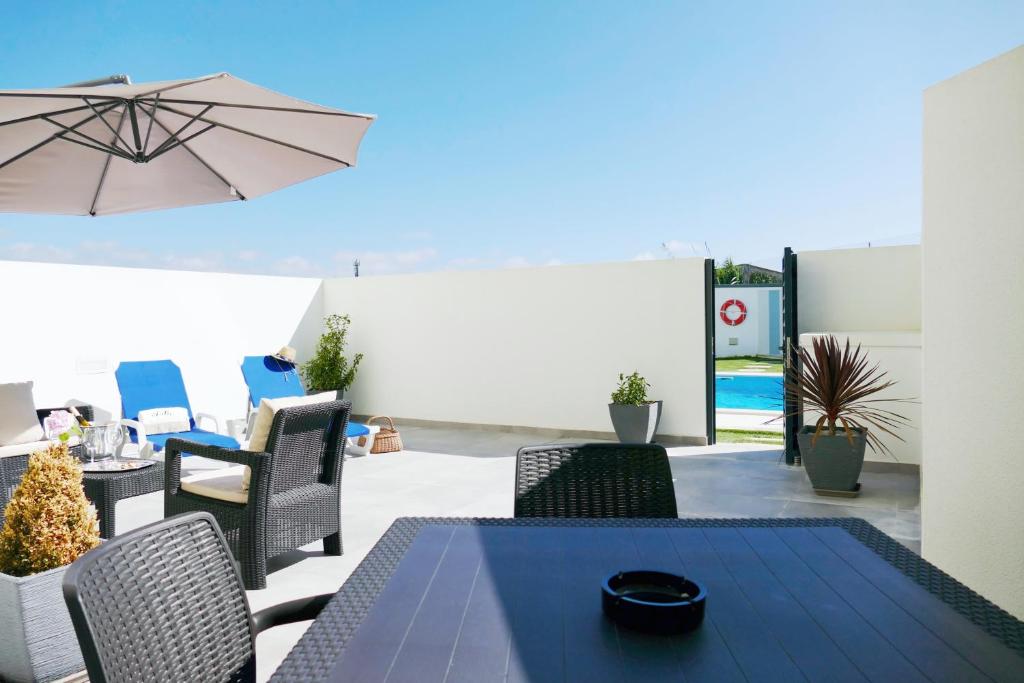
(469, 472)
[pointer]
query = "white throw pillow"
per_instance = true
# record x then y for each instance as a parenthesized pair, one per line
(265, 418)
(165, 420)
(18, 420)
(269, 407)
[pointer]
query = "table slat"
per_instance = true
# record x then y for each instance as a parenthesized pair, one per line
(704, 655)
(973, 644)
(481, 653)
(376, 642)
(751, 642)
(929, 654)
(427, 647)
(813, 651)
(533, 603)
(872, 654)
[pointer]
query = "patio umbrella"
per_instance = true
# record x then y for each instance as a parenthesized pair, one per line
(136, 147)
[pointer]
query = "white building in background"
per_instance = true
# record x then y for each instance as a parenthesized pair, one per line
(748, 320)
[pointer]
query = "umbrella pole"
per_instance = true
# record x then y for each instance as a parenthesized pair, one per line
(123, 79)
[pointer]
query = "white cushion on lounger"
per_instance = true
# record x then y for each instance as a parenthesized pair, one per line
(165, 420)
(18, 420)
(226, 485)
(22, 448)
(30, 447)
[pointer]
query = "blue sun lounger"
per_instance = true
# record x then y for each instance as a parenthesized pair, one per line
(149, 384)
(268, 377)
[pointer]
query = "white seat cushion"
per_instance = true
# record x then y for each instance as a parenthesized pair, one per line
(225, 485)
(18, 420)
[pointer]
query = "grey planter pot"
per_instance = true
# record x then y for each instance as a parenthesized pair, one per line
(39, 642)
(635, 424)
(832, 463)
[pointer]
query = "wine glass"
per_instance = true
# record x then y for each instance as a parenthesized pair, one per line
(113, 438)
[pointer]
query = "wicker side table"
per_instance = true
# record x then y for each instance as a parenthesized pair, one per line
(104, 489)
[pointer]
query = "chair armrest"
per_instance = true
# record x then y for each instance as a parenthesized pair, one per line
(218, 428)
(290, 612)
(236, 456)
(140, 430)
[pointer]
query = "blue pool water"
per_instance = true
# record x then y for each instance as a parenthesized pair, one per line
(748, 392)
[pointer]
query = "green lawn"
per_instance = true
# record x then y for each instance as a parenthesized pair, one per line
(748, 436)
(748, 364)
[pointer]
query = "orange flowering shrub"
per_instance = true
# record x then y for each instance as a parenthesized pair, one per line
(49, 522)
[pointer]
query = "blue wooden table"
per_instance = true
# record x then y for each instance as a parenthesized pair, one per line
(519, 600)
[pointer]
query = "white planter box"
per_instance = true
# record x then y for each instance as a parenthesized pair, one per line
(37, 640)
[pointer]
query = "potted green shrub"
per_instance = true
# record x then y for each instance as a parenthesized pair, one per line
(48, 524)
(329, 369)
(838, 386)
(634, 416)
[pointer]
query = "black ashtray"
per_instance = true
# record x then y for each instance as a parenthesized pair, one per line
(653, 602)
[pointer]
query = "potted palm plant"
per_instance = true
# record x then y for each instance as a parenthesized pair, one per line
(634, 417)
(47, 525)
(838, 386)
(329, 369)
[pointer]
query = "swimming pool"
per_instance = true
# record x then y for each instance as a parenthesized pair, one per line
(748, 392)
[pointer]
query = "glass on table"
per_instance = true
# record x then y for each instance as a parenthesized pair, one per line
(94, 441)
(114, 438)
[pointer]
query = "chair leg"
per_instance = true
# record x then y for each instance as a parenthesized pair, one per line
(253, 558)
(254, 573)
(332, 544)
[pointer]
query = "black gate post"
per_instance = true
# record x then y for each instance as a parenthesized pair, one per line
(709, 345)
(790, 342)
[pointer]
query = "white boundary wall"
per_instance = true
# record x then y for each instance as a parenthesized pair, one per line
(66, 327)
(876, 289)
(537, 347)
(972, 507)
(871, 297)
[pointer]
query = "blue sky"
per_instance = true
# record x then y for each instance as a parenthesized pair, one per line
(530, 133)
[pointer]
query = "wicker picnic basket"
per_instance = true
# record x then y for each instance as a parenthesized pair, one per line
(388, 440)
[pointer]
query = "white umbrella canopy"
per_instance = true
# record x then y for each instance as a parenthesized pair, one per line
(122, 148)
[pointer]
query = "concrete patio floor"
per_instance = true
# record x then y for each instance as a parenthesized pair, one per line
(464, 472)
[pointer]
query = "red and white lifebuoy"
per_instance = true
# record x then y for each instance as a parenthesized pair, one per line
(726, 312)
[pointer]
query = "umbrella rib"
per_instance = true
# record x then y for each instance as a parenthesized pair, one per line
(117, 134)
(102, 146)
(169, 142)
(104, 150)
(260, 137)
(149, 128)
(203, 161)
(175, 86)
(294, 110)
(178, 142)
(34, 117)
(59, 96)
(106, 165)
(56, 136)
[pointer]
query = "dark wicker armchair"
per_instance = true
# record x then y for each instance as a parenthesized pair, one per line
(294, 495)
(12, 467)
(594, 480)
(165, 603)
